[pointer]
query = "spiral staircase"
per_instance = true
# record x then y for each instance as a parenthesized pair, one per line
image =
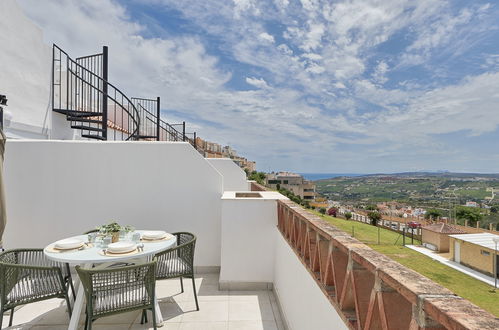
(99, 110)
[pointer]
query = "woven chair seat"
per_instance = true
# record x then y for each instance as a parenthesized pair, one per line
(112, 302)
(117, 290)
(178, 261)
(173, 267)
(27, 276)
(35, 287)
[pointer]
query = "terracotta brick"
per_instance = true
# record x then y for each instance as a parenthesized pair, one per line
(409, 283)
(368, 289)
(458, 313)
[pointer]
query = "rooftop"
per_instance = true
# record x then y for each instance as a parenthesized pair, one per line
(443, 228)
(483, 239)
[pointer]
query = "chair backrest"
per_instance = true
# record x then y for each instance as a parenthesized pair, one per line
(26, 275)
(179, 260)
(118, 289)
(91, 231)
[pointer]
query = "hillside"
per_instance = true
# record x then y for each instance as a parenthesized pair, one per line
(423, 189)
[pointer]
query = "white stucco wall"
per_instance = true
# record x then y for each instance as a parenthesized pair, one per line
(303, 304)
(234, 177)
(248, 226)
(25, 76)
(56, 189)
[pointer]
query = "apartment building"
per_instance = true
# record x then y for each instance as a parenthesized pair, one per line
(215, 150)
(293, 182)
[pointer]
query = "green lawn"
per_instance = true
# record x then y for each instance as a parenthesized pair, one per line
(463, 285)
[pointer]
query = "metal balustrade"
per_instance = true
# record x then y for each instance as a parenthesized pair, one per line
(82, 92)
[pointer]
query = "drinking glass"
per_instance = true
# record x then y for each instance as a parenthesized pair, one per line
(136, 237)
(106, 241)
(92, 237)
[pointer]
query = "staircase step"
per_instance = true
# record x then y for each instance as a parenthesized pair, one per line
(76, 113)
(93, 136)
(147, 136)
(88, 128)
(85, 120)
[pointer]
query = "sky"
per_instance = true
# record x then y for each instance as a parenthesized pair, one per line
(306, 86)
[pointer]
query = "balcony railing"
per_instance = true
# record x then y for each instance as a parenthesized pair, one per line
(367, 289)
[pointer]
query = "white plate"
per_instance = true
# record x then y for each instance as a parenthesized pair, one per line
(154, 234)
(68, 243)
(121, 247)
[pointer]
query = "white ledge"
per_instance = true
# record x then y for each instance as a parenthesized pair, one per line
(264, 195)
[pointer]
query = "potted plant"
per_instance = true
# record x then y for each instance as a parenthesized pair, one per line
(113, 229)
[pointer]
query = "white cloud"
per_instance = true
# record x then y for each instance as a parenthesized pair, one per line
(264, 36)
(325, 90)
(379, 74)
(260, 83)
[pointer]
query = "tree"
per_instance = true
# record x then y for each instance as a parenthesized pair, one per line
(332, 211)
(494, 209)
(433, 214)
(371, 207)
(472, 214)
(348, 215)
(257, 176)
(375, 217)
(322, 210)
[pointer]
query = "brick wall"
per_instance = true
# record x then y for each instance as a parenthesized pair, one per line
(367, 289)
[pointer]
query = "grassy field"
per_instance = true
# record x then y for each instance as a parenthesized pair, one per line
(465, 286)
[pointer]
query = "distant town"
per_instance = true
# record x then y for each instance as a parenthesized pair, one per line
(451, 217)
(215, 150)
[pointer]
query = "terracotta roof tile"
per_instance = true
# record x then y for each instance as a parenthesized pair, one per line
(443, 228)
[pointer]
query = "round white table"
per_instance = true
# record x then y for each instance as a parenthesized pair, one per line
(93, 255)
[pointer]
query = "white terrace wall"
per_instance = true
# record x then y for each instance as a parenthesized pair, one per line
(234, 178)
(303, 304)
(248, 225)
(25, 77)
(60, 188)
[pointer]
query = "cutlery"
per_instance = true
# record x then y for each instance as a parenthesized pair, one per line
(140, 247)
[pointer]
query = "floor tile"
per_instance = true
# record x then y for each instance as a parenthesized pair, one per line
(203, 326)
(250, 296)
(218, 310)
(250, 311)
(123, 318)
(148, 326)
(213, 311)
(252, 325)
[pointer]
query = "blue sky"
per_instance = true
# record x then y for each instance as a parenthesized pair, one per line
(307, 86)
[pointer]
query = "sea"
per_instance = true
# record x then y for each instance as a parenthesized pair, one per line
(320, 176)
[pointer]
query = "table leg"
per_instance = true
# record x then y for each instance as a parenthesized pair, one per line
(78, 305)
(159, 316)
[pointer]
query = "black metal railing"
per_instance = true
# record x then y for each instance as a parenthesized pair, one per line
(153, 127)
(89, 101)
(81, 91)
(149, 112)
(3, 102)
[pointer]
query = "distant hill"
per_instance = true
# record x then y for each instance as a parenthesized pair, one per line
(434, 189)
(443, 174)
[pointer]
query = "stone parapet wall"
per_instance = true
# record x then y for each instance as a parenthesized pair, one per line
(257, 187)
(368, 289)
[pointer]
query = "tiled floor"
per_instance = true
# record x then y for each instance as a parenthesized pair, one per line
(228, 310)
